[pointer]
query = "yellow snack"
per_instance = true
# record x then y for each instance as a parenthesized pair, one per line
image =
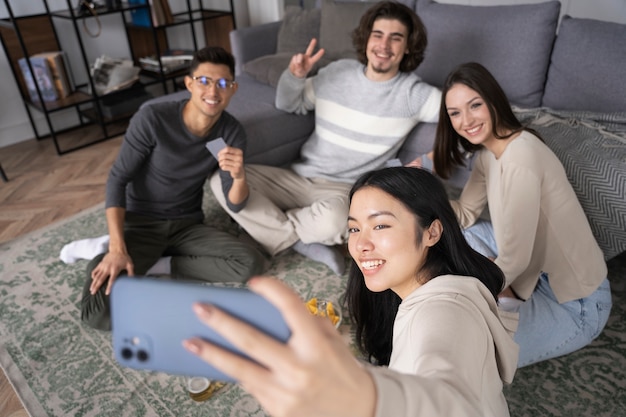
(330, 310)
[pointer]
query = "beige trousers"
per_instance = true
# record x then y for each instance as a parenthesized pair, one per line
(284, 207)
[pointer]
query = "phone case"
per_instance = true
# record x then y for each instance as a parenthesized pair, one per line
(151, 317)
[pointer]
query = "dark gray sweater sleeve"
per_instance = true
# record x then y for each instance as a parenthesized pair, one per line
(234, 135)
(162, 168)
(136, 148)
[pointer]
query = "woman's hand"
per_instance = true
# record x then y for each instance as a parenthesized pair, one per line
(422, 161)
(313, 374)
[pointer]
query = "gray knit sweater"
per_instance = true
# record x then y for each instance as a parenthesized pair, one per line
(359, 123)
(161, 168)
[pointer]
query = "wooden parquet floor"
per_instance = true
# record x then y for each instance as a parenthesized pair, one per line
(43, 188)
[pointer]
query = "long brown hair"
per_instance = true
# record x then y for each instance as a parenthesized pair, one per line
(450, 147)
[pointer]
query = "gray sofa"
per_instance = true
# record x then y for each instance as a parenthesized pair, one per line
(568, 86)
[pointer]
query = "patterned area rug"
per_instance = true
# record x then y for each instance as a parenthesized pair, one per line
(61, 368)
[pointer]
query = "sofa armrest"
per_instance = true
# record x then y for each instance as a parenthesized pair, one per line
(253, 42)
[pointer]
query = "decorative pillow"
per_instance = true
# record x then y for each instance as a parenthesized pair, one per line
(588, 67)
(297, 29)
(338, 21)
(488, 35)
(268, 69)
(591, 148)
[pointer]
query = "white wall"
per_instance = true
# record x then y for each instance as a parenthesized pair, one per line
(264, 11)
(14, 123)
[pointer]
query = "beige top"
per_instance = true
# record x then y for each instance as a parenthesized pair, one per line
(538, 223)
(452, 351)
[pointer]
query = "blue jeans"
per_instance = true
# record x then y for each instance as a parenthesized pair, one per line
(546, 328)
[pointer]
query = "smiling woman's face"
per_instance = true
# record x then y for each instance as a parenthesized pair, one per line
(469, 115)
(383, 242)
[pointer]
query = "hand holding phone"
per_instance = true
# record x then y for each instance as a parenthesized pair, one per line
(151, 318)
(314, 374)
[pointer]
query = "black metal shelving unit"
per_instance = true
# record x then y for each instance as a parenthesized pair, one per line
(24, 36)
(195, 12)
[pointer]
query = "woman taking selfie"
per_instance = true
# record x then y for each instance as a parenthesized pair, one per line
(424, 304)
(538, 234)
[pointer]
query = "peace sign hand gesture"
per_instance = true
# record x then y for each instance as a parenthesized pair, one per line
(301, 64)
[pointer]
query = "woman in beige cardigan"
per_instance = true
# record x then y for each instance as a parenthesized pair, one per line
(538, 235)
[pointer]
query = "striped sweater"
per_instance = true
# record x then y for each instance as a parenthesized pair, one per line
(359, 123)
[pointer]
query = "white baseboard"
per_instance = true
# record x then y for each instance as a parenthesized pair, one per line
(10, 135)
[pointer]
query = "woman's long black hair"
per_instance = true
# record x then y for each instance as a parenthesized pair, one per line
(424, 195)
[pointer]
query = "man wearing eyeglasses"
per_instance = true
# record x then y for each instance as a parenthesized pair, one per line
(155, 188)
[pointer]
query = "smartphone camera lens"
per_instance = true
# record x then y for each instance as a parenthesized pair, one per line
(127, 353)
(142, 355)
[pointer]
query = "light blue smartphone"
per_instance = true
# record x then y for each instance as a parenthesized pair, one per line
(151, 317)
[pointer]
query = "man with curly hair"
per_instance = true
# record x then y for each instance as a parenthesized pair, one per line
(364, 109)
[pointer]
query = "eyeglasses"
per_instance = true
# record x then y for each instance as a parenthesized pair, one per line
(204, 81)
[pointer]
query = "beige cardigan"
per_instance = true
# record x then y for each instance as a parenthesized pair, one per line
(452, 351)
(538, 222)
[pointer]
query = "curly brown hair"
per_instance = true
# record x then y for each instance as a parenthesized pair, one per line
(417, 39)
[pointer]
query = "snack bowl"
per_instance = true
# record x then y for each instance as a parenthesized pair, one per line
(198, 388)
(201, 388)
(325, 308)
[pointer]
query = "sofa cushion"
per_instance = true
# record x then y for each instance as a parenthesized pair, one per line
(590, 55)
(274, 136)
(338, 21)
(591, 148)
(267, 69)
(488, 35)
(297, 29)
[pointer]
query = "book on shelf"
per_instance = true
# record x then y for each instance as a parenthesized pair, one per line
(57, 61)
(140, 16)
(177, 54)
(43, 77)
(161, 12)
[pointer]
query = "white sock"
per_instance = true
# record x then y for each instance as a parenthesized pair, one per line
(84, 249)
(321, 253)
(162, 267)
